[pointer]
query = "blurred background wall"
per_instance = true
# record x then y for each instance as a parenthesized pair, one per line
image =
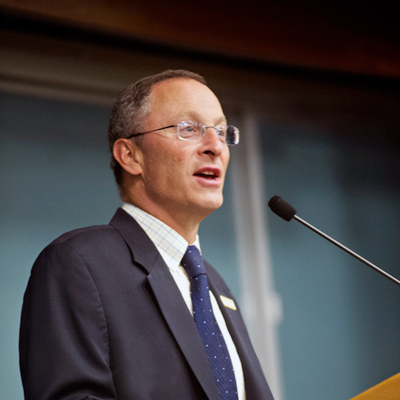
(314, 88)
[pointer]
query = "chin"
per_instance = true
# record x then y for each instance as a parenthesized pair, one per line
(212, 204)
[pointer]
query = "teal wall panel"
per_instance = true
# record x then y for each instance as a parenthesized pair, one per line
(341, 319)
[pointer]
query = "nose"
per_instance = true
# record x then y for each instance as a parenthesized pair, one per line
(212, 142)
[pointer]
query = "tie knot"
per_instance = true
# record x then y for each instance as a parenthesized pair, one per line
(193, 263)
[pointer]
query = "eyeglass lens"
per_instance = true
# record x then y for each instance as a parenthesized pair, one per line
(195, 131)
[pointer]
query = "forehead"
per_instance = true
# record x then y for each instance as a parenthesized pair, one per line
(182, 98)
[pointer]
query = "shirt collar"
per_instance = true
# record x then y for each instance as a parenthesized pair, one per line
(170, 244)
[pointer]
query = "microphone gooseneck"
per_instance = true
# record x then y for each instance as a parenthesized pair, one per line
(287, 212)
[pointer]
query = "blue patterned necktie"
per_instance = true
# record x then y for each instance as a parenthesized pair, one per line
(214, 343)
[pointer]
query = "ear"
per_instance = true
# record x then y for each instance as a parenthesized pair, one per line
(128, 155)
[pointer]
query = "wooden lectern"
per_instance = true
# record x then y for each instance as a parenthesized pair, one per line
(386, 390)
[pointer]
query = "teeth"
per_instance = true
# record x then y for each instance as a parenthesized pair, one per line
(208, 173)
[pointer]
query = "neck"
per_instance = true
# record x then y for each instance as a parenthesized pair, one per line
(187, 228)
(184, 221)
(186, 225)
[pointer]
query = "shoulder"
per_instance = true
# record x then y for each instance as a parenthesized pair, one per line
(96, 238)
(96, 233)
(85, 236)
(90, 245)
(78, 246)
(83, 240)
(84, 258)
(95, 247)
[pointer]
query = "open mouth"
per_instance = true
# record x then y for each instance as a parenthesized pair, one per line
(207, 175)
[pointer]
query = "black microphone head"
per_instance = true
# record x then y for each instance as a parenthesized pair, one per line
(281, 208)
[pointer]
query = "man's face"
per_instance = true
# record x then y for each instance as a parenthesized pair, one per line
(179, 176)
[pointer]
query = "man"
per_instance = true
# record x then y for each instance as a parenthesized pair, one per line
(108, 312)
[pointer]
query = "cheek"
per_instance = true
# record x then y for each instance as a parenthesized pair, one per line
(225, 158)
(179, 162)
(167, 164)
(170, 172)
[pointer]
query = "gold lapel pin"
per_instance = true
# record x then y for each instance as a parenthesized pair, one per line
(227, 302)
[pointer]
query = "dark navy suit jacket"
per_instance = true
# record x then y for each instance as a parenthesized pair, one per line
(103, 319)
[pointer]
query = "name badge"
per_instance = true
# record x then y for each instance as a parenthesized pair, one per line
(227, 302)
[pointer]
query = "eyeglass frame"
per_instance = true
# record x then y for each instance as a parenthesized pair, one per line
(204, 127)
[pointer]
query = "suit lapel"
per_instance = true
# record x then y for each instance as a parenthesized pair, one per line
(169, 299)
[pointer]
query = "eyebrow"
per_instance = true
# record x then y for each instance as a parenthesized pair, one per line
(194, 116)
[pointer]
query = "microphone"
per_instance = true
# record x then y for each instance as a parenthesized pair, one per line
(284, 210)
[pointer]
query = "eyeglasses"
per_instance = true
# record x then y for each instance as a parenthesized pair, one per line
(188, 130)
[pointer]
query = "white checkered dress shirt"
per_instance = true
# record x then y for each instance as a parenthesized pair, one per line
(172, 246)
